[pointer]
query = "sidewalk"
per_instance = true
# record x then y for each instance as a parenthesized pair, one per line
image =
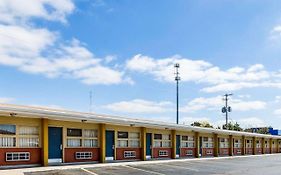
(21, 171)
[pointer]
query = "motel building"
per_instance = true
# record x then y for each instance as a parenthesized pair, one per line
(31, 136)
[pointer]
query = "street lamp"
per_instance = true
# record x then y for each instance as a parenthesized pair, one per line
(177, 79)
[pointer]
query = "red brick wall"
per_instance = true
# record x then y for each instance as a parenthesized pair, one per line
(258, 150)
(274, 150)
(204, 152)
(249, 151)
(224, 151)
(267, 150)
(120, 153)
(183, 152)
(70, 154)
(156, 152)
(35, 156)
(235, 151)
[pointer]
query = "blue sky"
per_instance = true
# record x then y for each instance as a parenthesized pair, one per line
(53, 53)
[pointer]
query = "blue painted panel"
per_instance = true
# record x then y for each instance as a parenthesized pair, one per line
(178, 144)
(55, 142)
(148, 144)
(109, 144)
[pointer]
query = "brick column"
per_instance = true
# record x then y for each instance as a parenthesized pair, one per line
(174, 144)
(243, 146)
(263, 146)
(216, 145)
(143, 143)
(197, 144)
(102, 140)
(230, 145)
(270, 146)
(254, 146)
(45, 142)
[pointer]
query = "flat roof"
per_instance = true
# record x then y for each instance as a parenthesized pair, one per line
(67, 115)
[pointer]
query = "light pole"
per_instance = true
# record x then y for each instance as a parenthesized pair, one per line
(226, 109)
(177, 78)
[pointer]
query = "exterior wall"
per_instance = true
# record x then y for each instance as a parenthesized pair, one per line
(184, 150)
(70, 154)
(206, 150)
(249, 150)
(224, 151)
(35, 152)
(237, 151)
(155, 150)
(119, 151)
(258, 150)
(35, 156)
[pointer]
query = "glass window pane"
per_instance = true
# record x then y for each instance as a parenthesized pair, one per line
(122, 134)
(74, 132)
(157, 136)
(8, 129)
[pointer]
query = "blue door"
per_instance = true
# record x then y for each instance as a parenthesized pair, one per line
(178, 144)
(109, 143)
(55, 143)
(148, 144)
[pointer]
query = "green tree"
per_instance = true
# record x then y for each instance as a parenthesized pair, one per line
(204, 124)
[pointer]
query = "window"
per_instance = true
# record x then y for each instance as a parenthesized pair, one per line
(8, 129)
(82, 138)
(207, 142)
(129, 154)
(239, 151)
(189, 152)
(209, 152)
(258, 144)
(74, 132)
(7, 135)
(163, 153)
(249, 144)
(90, 138)
(266, 144)
(28, 136)
(224, 143)
(128, 139)
(83, 155)
(237, 143)
(162, 141)
(17, 156)
(187, 142)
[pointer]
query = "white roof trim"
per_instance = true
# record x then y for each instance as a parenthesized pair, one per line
(58, 114)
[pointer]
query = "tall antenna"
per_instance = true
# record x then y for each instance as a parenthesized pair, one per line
(91, 101)
(177, 78)
(226, 109)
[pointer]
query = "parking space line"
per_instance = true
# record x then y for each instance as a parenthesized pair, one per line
(176, 166)
(147, 171)
(90, 172)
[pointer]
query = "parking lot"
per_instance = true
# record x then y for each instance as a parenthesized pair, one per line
(269, 164)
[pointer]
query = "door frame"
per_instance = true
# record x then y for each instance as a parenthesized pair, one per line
(56, 160)
(113, 145)
(150, 146)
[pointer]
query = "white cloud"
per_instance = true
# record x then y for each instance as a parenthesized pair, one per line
(251, 122)
(18, 11)
(200, 71)
(41, 51)
(6, 100)
(277, 112)
(275, 32)
(140, 106)
(216, 103)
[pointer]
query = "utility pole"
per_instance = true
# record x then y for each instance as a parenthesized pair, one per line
(226, 109)
(177, 78)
